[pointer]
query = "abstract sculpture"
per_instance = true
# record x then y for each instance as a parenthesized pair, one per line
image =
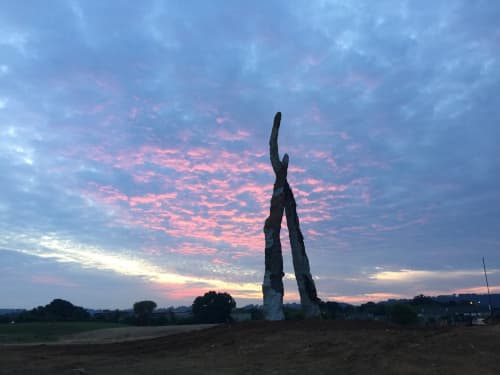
(283, 200)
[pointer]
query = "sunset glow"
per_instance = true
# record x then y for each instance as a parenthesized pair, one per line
(134, 148)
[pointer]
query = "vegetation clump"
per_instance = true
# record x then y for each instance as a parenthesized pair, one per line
(213, 307)
(402, 313)
(143, 311)
(58, 310)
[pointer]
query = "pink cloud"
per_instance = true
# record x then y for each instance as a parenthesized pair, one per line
(188, 248)
(323, 157)
(52, 280)
(218, 183)
(212, 195)
(132, 113)
(478, 289)
(313, 233)
(390, 228)
(318, 154)
(367, 297)
(366, 196)
(144, 176)
(344, 136)
(181, 292)
(352, 229)
(313, 60)
(227, 135)
(311, 181)
(374, 164)
(207, 204)
(207, 109)
(220, 261)
(293, 169)
(105, 193)
(188, 161)
(152, 251)
(329, 188)
(306, 219)
(300, 193)
(158, 107)
(356, 78)
(198, 153)
(354, 147)
(155, 199)
(98, 108)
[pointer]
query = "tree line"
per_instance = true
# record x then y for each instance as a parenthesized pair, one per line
(215, 307)
(212, 307)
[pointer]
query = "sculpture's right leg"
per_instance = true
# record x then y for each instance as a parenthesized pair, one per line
(307, 288)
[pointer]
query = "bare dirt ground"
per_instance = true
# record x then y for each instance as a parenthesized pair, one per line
(112, 335)
(289, 347)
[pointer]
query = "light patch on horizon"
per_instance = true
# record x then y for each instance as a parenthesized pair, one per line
(478, 290)
(123, 263)
(366, 297)
(412, 276)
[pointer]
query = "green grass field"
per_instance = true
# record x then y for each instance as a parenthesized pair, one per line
(45, 331)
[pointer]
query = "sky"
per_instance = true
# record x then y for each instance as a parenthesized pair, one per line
(134, 156)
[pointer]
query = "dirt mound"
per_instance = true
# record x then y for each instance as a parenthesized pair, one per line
(318, 347)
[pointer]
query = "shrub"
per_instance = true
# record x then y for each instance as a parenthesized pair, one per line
(401, 313)
(213, 307)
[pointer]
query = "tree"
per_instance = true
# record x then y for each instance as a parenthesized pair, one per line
(422, 300)
(402, 313)
(57, 310)
(213, 307)
(330, 309)
(144, 311)
(60, 309)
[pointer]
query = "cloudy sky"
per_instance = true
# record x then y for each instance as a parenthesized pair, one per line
(134, 161)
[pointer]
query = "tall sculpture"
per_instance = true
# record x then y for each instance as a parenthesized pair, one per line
(283, 200)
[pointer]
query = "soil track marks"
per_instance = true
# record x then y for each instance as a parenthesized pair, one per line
(288, 347)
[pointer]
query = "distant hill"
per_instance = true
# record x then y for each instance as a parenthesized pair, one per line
(11, 311)
(482, 299)
(477, 298)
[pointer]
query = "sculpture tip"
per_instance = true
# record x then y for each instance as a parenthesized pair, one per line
(277, 120)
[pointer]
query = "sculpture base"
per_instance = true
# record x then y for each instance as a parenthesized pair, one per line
(273, 300)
